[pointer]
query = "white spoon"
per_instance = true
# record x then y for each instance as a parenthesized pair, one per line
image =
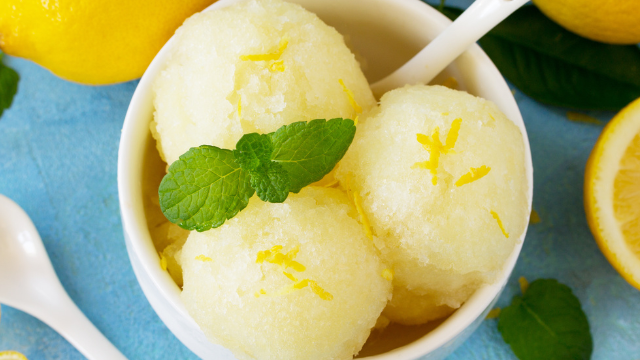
(29, 283)
(475, 22)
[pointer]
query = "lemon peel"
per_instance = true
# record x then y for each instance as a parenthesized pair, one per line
(357, 202)
(494, 313)
(277, 66)
(534, 218)
(387, 274)
(451, 83)
(366, 225)
(474, 174)
(203, 258)
(163, 262)
(282, 46)
(582, 118)
(524, 284)
(614, 22)
(435, 148)
(352, 101)
(274, 256)
(70, 38)
(495, 216)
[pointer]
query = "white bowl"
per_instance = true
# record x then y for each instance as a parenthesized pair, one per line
(385, 34)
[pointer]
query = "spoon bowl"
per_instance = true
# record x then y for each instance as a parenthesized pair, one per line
(29, 283)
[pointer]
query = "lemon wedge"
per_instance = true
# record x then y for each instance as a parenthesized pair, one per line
(612, 192)
(11, 355)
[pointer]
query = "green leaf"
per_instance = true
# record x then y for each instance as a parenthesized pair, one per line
(547, 323)
(8, 85)
(558, 67)
(271, 182)
(310, 150)
(252, 150)
(204, 188)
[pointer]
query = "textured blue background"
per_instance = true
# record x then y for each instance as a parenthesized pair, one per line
(58, 151)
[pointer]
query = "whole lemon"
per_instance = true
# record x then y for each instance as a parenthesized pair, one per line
(92, 41)
(609, 21)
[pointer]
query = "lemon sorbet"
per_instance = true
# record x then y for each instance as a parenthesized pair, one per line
(297, 280)
(253, 67)
(439, 177)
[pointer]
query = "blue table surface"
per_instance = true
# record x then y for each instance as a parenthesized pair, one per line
(58, 145)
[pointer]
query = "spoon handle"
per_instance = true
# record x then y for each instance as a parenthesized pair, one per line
(468, 28)
(64, 316)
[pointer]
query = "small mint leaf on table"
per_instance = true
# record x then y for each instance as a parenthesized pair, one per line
(546, 323)
(271, 182)
(310, 150)
(8, 85)
(204, 188)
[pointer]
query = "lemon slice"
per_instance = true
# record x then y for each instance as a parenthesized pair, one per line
(11, 355)
(612, 192)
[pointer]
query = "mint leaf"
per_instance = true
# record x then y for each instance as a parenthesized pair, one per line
(253, 154)
(310, 150)
(252, 150)
(8, 85)
(546, 323)
(271, 182)
(204, 188)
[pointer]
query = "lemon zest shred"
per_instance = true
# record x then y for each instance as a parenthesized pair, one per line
(387, 274)
(452, 136)
(317, 289)
(534, 218)
(444, 113)
(240, 107)
(451, 83)
(366, 225)
(355, 121)
(435, 147)
(261, 292)
(473, 175)
(163, 262)
(270, 56)
(494, 313)
(277, 66)
(582, 118)
(351, 98)
(290, 276)
(203, 258)
(274, 256)
(495, 216)
(322, 293)
(524, 284)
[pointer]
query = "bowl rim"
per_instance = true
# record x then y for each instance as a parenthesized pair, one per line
(131, 152)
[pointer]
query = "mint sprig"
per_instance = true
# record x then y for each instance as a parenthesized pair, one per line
(309, 151)
(209, 185)
(8, 85)
(204, 188)
(546, 323)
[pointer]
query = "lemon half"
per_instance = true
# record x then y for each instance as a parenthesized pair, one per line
(612, 192)
(11, 355)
